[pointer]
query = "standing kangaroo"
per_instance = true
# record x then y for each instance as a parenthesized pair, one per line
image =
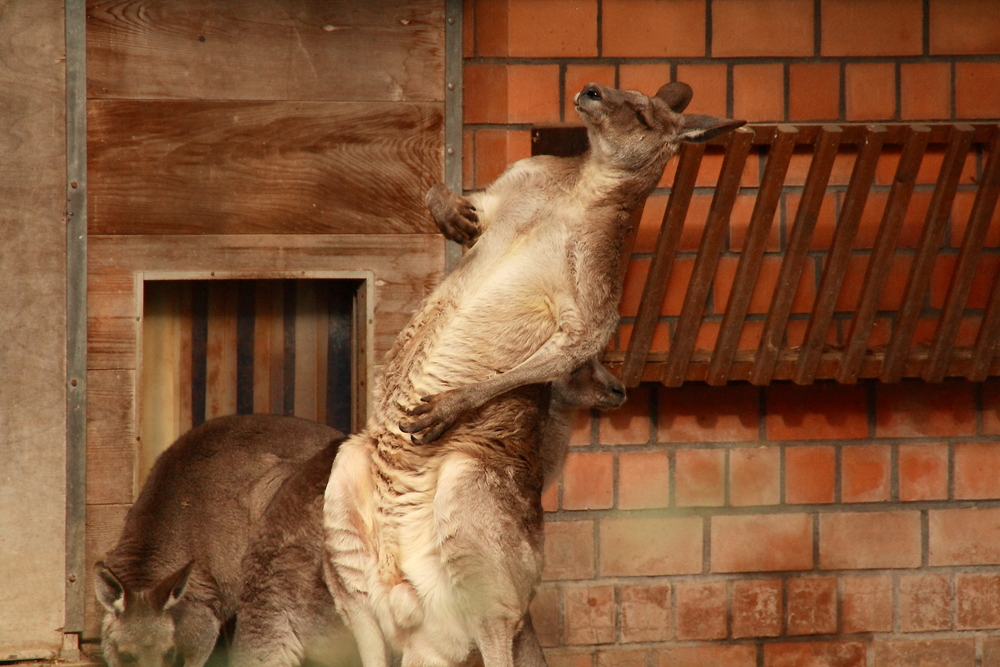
(174, 577)
(436, 550)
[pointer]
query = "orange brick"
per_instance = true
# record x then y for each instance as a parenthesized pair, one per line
(699, 478)
(580, 423)
(964, 537)
(491, 155)
(490, 27)
(991, 406)
(650, 546)
(533, 93)
(975, 85)
(645, 612)
(741, 655)
(699, 413)
(813, 91)
(550, 498)
(485, 93)
(737, 32)
(961, 210)
(757, 608)
(739, 224)
(588, 481)
(643, 480)
(677, 283)
(870, 91)
(869, 540)
(623, 658)
(904, 652)
(552, 28)
(569, 657)
(919, 409)
(701, 610)
(578, 76)
(930, 167)
(924, 603)
(691, 233)
(651, 29)
(646, 78)
(759, 92)
(799, 654)
(976, 466)
(816, 412)
(826, 221)
(812, 606)
(923, 472)
(629, 424)
(589, 613)
(978, 600)
(468, 28)
(991, 651)
(468, 157)
(709, 83)
(871, 28)
(755, 476)
(649, 231)
(925, 91)
(544, 611)
(871, 218)
(967, 27)
(763, 289)
(762, 543)
(866, 603)
(569, 550)
(854, 281)
(708, 176)
(809, 475)
(866, 473)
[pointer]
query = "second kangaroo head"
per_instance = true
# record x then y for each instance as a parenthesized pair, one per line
(589, 386)
(632, 131)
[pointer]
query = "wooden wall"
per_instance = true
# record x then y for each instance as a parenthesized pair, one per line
(279, 139)
(32, 329)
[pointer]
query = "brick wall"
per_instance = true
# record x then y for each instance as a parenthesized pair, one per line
(822, 525)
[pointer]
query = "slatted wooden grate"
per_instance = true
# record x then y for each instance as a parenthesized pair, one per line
(901, 282)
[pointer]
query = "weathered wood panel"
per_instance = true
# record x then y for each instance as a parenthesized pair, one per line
(112, 444)
(390, 50)
(32, 329)
(181, 167)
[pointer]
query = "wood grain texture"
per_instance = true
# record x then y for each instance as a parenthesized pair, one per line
(390, 50)
(32, 329)
(112, 432)
(182, 167)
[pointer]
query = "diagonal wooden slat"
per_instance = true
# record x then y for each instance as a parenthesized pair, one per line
(985, 348)
(663, 260)
(752, 254)
(840, 254)
(879, 263)
(796, 254)
(927, 250)
(712, 241)
(965, 270)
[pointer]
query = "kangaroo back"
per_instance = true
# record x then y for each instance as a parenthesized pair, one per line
(175, 575)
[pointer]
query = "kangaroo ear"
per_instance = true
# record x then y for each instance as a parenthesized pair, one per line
(696, 128)
(110, 590)
(677, 95)
(171, 588)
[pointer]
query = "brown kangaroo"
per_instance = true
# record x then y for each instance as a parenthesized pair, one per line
(174, 577)
(286, 612)
(435, 551)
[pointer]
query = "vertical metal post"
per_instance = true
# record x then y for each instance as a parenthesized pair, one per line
(76, 311)
(453, 113)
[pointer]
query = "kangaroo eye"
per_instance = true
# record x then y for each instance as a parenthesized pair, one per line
(593, 94)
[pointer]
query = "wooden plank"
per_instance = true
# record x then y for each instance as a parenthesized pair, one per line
(712, 242)
(927, 249)
(159, 379)
(880, 260)
(111, 342)
(984, 351)
(220, 353)
(305, 349)
(112, 437)
(752, 255)
(389, 50)
(195, 167)
(965, 269)
(796, 254)
(663, 260)
(185, 376)
(860, 184)
(268, 346)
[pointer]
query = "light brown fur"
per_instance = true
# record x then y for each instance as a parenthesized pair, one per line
(436, 549)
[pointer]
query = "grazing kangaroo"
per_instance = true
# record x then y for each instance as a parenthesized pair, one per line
(436, 550)
(174, 577)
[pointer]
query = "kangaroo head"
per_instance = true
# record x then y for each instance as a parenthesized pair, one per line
(631, 131)
(137, 629)
(589, 386)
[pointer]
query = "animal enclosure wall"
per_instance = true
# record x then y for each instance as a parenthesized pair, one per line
(282, 145)
(762, 522)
